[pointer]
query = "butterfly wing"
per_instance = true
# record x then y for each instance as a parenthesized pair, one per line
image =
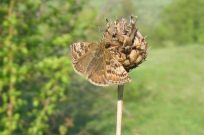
(82, 53)
(96, 69)
(97, 75)
(115, 72)
(106, 70)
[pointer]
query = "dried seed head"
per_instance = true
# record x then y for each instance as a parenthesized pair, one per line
(127, 43)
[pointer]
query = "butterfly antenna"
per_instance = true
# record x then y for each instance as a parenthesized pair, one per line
(107, 23)
(133, 19)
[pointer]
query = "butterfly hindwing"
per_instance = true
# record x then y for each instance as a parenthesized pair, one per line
(115, 72)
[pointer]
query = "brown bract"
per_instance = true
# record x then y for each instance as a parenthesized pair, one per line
(125, 42)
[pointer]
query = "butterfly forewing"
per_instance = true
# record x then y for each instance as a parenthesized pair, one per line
(82, 53)
(96, 69)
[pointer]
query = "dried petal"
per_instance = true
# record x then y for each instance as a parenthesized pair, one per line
(133, 56)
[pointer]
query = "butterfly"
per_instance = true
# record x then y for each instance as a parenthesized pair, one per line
(97, 64)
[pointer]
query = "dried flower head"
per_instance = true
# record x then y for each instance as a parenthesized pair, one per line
(123, 39)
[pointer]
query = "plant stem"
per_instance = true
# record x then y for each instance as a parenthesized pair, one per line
(119, 109)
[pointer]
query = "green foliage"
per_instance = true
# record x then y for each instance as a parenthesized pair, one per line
(35, 68)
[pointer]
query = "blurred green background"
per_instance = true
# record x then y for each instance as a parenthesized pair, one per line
(41, 95)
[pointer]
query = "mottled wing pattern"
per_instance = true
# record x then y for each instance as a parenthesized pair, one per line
(115, 72)
(82, 53)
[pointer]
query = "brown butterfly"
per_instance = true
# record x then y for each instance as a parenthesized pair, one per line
(97, 64)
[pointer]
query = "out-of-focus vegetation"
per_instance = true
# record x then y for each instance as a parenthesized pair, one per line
(181, 23)
(40, 93)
